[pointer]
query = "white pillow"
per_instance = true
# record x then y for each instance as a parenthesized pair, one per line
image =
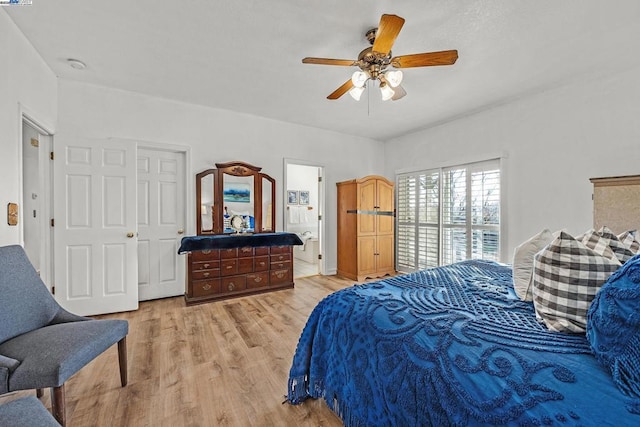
(523, 263)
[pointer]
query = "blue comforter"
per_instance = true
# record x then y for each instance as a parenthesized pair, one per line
(448, 346)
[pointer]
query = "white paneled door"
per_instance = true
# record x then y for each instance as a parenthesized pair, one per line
(95, 245)
(161, 218)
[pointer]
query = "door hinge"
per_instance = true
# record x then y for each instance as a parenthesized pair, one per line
(52, 222)
(51, 156)
(319, 179)
(319, 256)
(319, 217)
(53, 290)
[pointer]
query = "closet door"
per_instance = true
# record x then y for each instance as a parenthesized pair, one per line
(95, 245)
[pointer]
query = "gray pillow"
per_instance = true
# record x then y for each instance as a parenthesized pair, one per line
(523, 263)
(567, 275)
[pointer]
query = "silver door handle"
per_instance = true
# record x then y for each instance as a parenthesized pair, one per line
(130, 234)
(181, 231)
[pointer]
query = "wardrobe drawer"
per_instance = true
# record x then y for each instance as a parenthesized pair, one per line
(206, 255)
(257, 280)
(261, 263)
(280, 276)
(232, 284)
(203, 288)
(205, 265)
(229, 267)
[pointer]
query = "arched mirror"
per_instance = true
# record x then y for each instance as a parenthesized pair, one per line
(234, 198)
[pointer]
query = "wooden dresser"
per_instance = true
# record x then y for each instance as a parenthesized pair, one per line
(366, 242)
(214, 274)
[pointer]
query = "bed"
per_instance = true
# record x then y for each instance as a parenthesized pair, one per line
(452, 345)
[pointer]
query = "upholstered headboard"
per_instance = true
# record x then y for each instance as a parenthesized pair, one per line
(616, 203)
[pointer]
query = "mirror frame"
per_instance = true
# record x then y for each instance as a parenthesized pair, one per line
(235, 168)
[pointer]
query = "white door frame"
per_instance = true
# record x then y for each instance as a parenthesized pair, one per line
(35, 120)
(321, 206)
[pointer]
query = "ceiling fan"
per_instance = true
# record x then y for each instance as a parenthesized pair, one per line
(374, 61)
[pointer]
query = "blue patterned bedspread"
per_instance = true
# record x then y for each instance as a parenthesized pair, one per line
(451, 345)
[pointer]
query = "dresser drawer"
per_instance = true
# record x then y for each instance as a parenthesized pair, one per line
(228, 253)
(280, 276)
(232, 284)
(280, 265)
(245, 265)
(205, 274)
(257, 280)
(205, 265)
(206, 255)
(280, 257)
(279, 249)
(261, 263)
(262, 250)
(245, 252)
(229, 267)
(203, 288)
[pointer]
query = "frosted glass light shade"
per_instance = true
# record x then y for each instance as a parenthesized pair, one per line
(387, 92)
(400, 93)
(394, 78)
(356, 92)
(359, 78)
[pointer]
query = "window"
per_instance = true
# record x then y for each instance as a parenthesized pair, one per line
(448, 215)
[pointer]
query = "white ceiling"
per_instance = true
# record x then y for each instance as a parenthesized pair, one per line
(245, 55)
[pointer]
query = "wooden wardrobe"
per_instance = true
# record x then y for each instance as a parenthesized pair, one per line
(366, 241)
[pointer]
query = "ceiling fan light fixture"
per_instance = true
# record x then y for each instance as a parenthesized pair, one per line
(356, 92)
(359, 78)
(393, 77)
(387, 92)
(399, 93)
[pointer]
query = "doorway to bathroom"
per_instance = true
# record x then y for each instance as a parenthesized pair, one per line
(304, 205)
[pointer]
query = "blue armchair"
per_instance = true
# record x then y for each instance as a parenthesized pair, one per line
(41, 344)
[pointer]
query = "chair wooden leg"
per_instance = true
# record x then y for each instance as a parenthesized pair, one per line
(122, 359)
(39, 393)
(57, 404)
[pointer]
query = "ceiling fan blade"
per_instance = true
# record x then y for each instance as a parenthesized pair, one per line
(388, 30)
(341, 90)
(446, 57)
(329, 61)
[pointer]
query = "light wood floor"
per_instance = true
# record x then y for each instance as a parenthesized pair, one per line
(224, 363)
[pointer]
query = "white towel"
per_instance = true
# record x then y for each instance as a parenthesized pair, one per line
(294, 215)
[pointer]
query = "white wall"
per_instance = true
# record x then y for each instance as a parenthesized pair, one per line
(554, 142)
(27, 84)
(219, 136)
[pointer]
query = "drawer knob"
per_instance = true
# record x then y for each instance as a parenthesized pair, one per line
(207, 265)
(206, 251)
(205, 274)
(229, 266)
(206, 287)
(231, 286)
(280, 274)
(262, 264)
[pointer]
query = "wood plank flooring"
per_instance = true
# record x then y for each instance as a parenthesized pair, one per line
(224, 363)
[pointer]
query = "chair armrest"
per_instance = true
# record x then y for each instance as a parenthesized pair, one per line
(63, 316)
(7, 366)
(8, 363)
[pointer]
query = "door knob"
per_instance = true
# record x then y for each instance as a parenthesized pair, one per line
(181, 231)
(130, 234)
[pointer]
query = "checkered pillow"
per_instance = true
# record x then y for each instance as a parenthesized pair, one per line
(628, 238)
(604, 239)
(566, 277)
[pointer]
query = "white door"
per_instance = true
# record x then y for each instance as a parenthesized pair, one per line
(95, 252)
(161, 217)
